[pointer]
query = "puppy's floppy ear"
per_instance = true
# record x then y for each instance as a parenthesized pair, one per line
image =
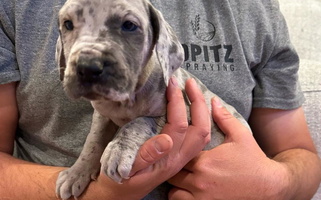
(60, 58)
(168, 49)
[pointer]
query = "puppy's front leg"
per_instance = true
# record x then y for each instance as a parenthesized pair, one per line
(120, 154)
(74, 180)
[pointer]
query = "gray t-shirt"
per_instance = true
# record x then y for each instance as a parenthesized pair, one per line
(239, 48)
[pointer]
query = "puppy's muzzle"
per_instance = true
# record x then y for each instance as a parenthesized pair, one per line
(92, 69)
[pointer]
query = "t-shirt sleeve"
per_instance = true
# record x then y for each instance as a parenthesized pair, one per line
(277, 83)
(9, 71)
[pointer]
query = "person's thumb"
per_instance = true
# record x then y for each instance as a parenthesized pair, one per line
(229, 125)
(151, 151)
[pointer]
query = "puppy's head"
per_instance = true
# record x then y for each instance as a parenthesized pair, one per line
(104, 47)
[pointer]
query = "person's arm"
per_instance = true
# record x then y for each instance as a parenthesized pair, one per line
(20, 179)
(158, 159)
(8, 117)
(239, 169)
(26, 180)
(284, 136)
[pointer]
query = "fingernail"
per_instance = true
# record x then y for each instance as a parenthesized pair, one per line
(217, 102)
(174, 81)
(193, 81)
(162, 144)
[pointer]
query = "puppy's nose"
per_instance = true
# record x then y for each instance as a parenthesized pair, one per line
(89, 70)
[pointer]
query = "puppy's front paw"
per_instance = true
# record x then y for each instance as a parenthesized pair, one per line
(117, 160)
(73, 181)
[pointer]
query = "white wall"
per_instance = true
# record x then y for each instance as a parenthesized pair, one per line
(304, 21)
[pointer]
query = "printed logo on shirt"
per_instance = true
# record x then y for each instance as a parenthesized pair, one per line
(202, 57)
(203, 30)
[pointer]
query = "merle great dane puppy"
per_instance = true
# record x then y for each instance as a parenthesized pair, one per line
(119, 55)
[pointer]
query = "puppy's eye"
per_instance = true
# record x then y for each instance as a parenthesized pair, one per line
(69, 25)
(129, 26)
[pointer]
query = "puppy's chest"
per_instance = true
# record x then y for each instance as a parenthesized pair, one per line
(115, 111)
(121, 113)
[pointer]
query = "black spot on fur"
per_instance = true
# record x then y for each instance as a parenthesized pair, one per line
(173, 49)
(91, 11)
(125, 133)
(154, 130)
(87, 3)
(80, 13)
(102, 34)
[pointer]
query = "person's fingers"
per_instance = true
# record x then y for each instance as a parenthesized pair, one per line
(181, 138)
(230, 126)
(198, 107)
(176, 108)
(199, 132)
(179, 194)
(151, 151)
(183, 179)
(177, 123)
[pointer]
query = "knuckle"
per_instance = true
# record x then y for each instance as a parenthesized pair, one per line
(181, 127)
(201, 184)
(207, 139)
(226, 115)
(202, 99)
(205, 134)
(148, 155)
(223, 116)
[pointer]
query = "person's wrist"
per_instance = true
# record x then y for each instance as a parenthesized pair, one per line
(101, 188)
(278, 181)
(105, 188)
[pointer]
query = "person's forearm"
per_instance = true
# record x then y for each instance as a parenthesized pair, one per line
(304, 174)
(22, 180)
(25, 180)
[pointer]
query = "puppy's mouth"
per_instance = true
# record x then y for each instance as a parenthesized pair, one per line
(100, 94)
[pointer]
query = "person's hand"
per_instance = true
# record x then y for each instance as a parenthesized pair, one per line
(164, 155)
(236, 169)
(177, 136)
